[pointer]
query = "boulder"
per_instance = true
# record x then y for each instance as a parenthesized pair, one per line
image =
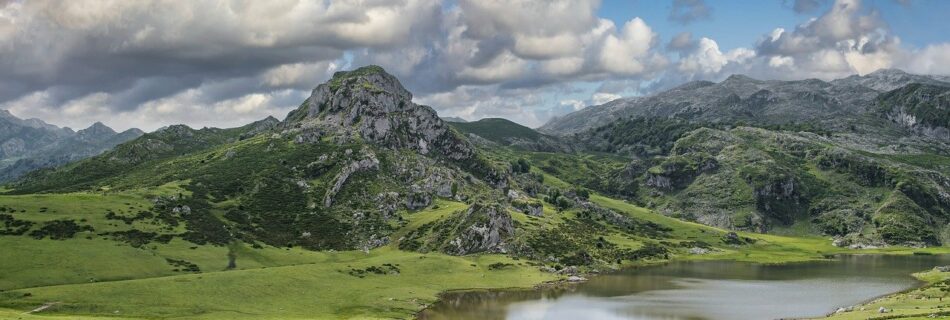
(697, 250)
(732, 238)
(418, 199)
(569, 270)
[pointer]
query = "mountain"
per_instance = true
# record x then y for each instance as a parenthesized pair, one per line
(361, 188)
(740, 98)
(924, 108)
(32, 144)
(863, 159)
(507, 133)
(338, 168)
(762, 180)
(454, 119)
(358, 150)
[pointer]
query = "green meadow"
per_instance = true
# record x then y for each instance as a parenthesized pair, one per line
(90, 276)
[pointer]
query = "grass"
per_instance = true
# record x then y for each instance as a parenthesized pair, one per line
(101, 277)
(94, 277)
(917, 303)
(497, 129)
(440, 209)
(321, 289)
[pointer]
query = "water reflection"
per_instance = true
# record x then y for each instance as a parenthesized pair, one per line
(700, 290)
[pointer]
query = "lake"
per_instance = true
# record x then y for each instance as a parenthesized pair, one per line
(700, 290)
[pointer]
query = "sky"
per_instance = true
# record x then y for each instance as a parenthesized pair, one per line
(225, 63)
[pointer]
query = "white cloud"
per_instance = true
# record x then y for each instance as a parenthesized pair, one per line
(299, 74)
(600, 98)
(575, 105)
(932, 59)
(629, 52)
(151, 63)
(781, 62)
(708, 59)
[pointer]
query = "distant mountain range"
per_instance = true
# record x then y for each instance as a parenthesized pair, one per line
(30, 144)
(864, 159)
(766, 102)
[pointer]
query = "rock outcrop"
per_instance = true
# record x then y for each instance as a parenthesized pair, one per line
(919, 107)
(482, 228)
(369, 162)
(371, 105)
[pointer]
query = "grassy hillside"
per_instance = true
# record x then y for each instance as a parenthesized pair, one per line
(497, 129)
(364, 205)
(102, 277)
(504, 132)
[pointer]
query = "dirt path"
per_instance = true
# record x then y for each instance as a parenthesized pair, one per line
(41, 308)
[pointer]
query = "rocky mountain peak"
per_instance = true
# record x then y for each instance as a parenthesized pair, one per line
(5, 114)
(133, 132)
(97, 129)
(176, 130)
(739, 79)
(888, 79)
(372, 78)
(372, 104)
(887, 72)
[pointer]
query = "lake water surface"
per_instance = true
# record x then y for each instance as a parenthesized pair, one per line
(700, 290)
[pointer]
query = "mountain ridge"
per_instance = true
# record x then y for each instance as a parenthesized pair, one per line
(740, 97)
(30, 144)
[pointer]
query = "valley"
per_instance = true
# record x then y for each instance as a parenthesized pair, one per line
(362, 204)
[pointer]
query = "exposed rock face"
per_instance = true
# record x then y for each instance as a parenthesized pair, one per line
(922, 108)
(525, 204)
(369, 162)
(677, 171)
(659, 181)
(418, 199)
(484, 229)
(260, 126)
(387, 204)
(372, 104)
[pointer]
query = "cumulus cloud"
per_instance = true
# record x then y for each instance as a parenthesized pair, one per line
(574, 104)
(627, 51)
(140, 51)
(706, 58)
(846, 39)
(152, 63)
(603, 97)
(932, 59)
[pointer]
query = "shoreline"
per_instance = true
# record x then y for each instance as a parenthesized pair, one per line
(919, 283)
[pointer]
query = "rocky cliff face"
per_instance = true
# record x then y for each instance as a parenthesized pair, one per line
(482, 228)
(371, 105)
(923, 108)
